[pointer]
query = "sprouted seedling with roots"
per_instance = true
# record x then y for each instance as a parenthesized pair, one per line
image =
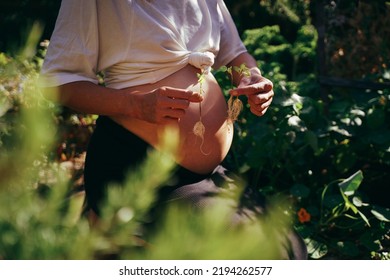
(199, 128)
(235, 105)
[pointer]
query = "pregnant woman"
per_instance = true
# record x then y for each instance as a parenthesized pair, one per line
(151, 52)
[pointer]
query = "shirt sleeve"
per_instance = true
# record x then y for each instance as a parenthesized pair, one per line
(72, 54)
(230, 45)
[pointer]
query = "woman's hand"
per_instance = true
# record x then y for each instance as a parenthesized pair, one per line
(259, 91)
(165, 105)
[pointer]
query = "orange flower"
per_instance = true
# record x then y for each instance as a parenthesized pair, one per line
(303, 215)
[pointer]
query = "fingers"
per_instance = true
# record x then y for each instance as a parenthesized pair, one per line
(259, 93)
(171, 103)
(183, 94)
(260, 87)
(177, 98)
(261, 98)
(258, 113)
(169, 115)
(172, 113)
(259, 109)
(167, 102)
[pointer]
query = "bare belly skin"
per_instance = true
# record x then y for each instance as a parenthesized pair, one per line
(195, 154)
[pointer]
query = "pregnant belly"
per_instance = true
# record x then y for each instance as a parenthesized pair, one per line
(196, 154)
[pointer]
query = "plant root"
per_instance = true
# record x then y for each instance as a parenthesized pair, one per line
(199, 131)
(234, 108)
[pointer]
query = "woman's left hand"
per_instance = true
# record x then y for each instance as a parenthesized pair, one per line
(259, 91)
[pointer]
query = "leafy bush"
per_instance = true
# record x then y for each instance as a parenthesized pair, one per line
(304, 143)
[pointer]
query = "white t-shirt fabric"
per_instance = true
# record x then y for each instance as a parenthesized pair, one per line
(136, 42)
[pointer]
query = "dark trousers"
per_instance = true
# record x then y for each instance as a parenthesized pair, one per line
(114, 151)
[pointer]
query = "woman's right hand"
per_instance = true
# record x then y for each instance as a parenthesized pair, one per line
(165, 105)
(162, 105)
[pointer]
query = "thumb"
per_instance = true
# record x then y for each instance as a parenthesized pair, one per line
(260, 87)
(195, 97)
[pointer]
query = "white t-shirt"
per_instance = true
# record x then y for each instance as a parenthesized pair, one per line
(136, 42)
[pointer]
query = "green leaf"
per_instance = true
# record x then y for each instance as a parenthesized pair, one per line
(351, 184)
(223, 68)
(348, 248)
(315, 249)
(382, 214)
(364, 218)
(331, 201)
(370, 241)
(349, 204)
(376, 118)
(357, 201)
(5, 105)
(311, 138)
(3, 59)
(381, 138)
(300, 190)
